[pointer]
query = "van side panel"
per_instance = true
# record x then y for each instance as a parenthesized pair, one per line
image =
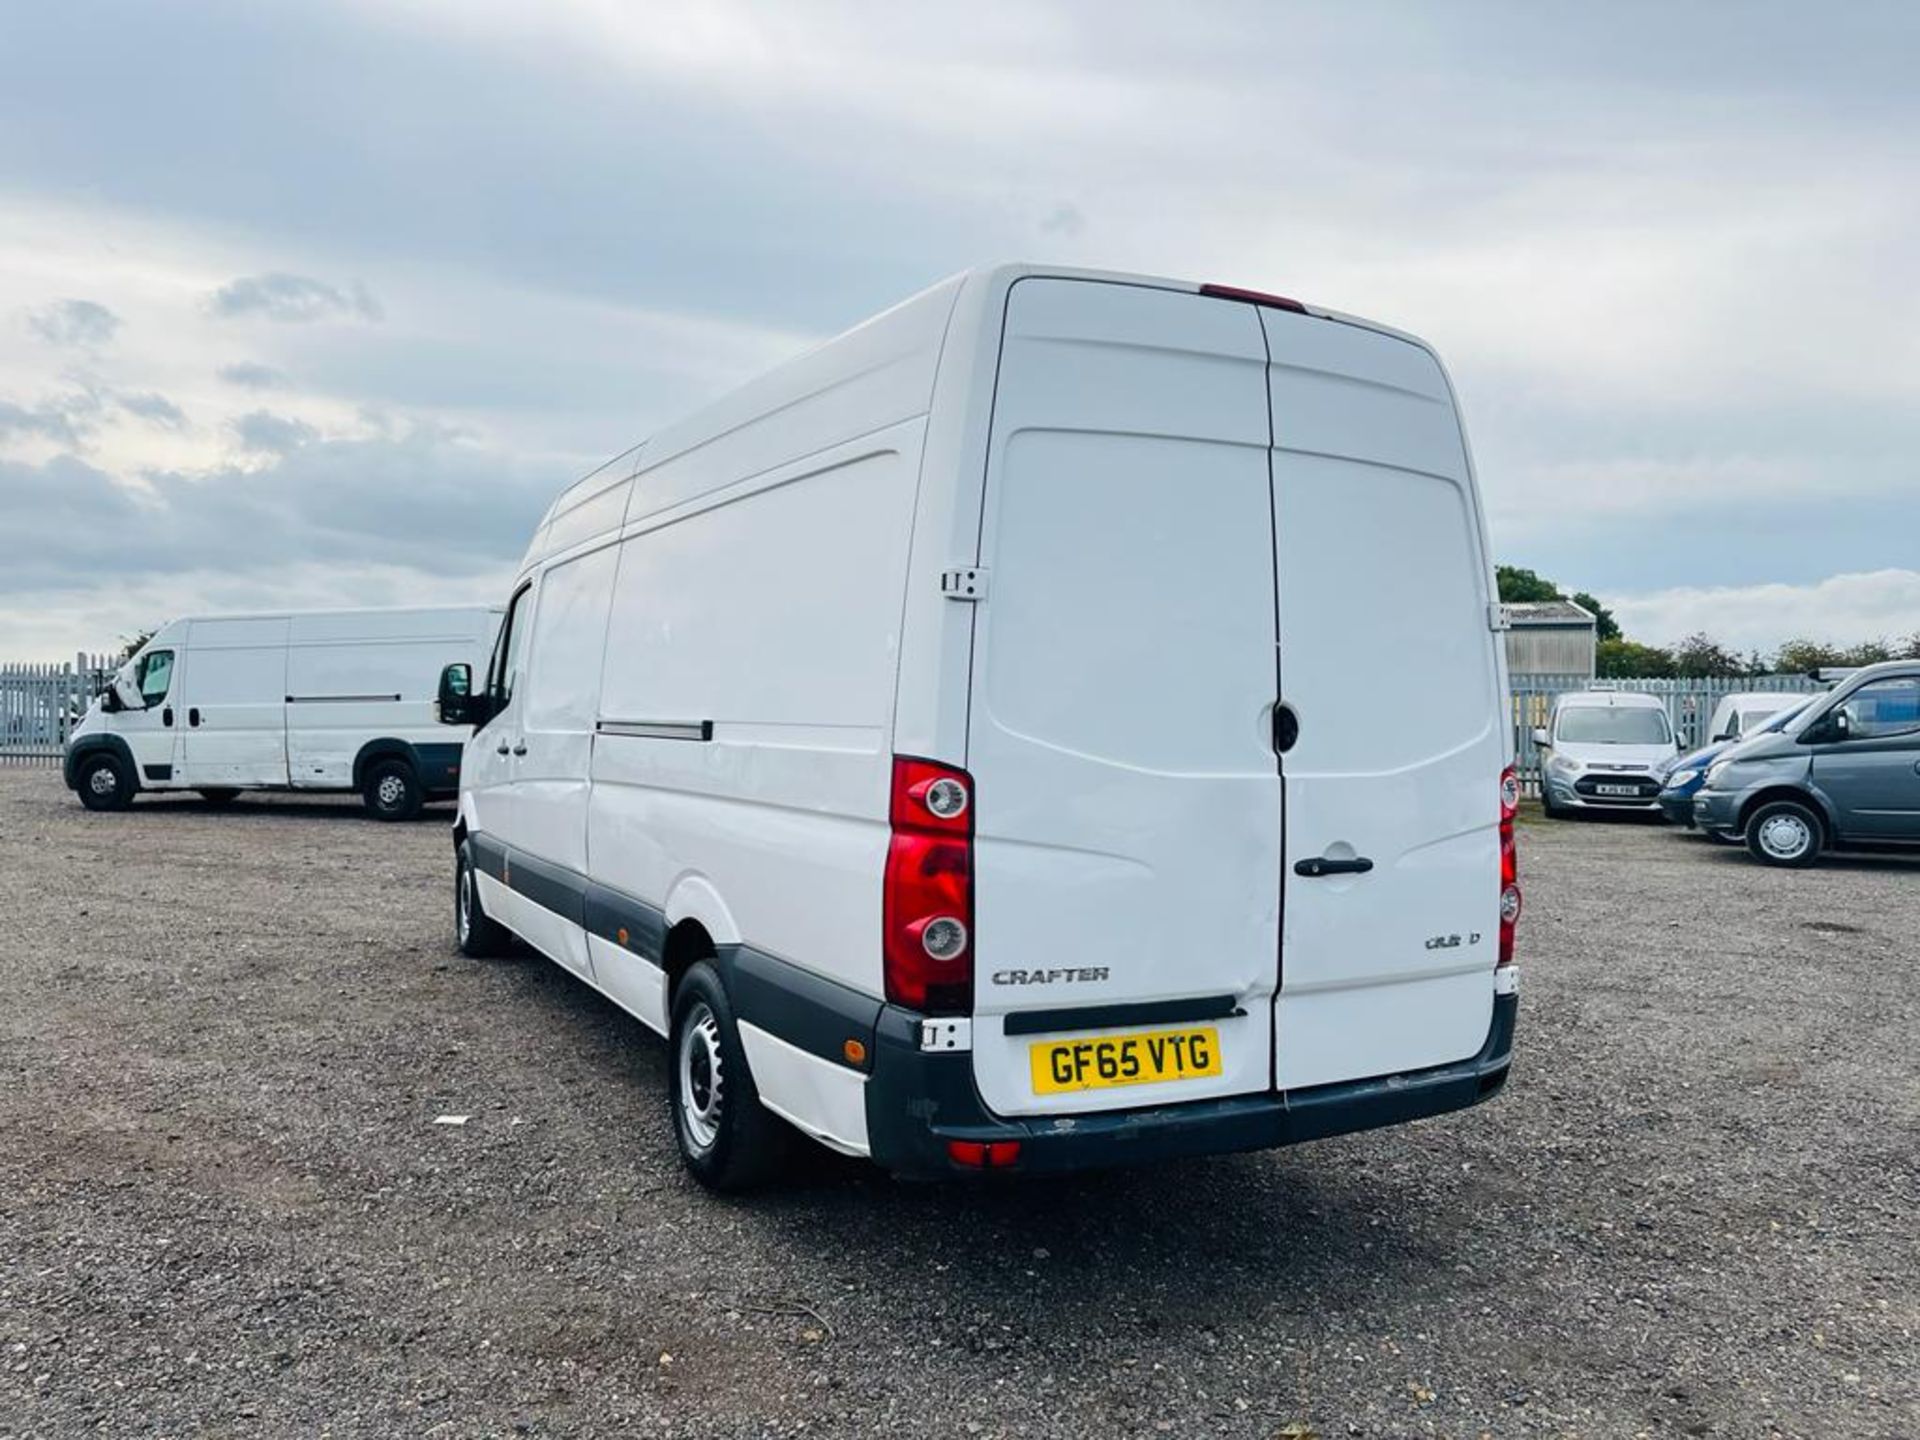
(356, 678)
(746, 699)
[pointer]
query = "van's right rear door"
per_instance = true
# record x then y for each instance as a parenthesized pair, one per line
(1390, 667)
(1128, 811)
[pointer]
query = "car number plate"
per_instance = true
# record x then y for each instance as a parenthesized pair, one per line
(1096, 1062)
(1616, 789)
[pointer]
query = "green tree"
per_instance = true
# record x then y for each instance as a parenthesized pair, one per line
(1797, 657)
(1519, 587)
(1621, 658)
(133, 642)
(1605, 627)
(1700, 656)
(1868, 652)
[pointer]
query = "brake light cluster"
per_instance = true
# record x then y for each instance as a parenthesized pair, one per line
(1509, 864)
(927, 909)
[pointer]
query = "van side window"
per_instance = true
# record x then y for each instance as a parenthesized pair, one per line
(156, 675)
(1886, 707)
(504, 673)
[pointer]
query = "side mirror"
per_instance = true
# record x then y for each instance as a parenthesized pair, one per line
(457, 704)
(1827, 730)
(1725, 735)
(1540, 736)
(127, 693)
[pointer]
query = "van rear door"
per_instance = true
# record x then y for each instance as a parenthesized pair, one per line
(1128, 806)
(1389, 668)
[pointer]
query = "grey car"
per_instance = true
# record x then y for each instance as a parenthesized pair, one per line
(1846, 770)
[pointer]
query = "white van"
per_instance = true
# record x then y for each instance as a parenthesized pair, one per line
(983, 743)
(325, 700)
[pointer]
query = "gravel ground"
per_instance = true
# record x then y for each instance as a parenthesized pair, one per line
(225, 1208)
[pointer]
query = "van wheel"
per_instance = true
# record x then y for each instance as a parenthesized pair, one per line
(105, 783)
(1785, 832)
(220, 796)
(727, 1138)
(1553, 811)
(479, 938)
(392, 791)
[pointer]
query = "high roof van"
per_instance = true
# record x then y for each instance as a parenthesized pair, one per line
(309, 700)
(1058, 723)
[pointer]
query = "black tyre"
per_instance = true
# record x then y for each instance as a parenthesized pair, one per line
(105, 783)
(727, 1138)
(1553, 811)
(478, 937)
(219, 796)
(392, 791)
(1785, 832)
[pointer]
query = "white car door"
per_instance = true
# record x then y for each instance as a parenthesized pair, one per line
(233, 699)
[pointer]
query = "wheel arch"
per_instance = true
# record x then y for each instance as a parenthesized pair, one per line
(1800, 795)
(87, 746)
(387, 747)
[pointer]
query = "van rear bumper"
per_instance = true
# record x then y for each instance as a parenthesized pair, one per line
(917, 1102)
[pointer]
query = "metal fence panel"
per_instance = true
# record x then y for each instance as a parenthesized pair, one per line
(1689, 705)
(40, 705)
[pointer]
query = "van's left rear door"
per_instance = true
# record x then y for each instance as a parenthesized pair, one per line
(1127, 839)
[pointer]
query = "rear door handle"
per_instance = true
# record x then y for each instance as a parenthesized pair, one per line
(521, 748)
(1286, 727)
(501, 748)
(166, 717)
(1324, 865)
(193, 715)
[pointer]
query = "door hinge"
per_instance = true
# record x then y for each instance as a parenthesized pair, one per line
(1499, 617)
(967, 584)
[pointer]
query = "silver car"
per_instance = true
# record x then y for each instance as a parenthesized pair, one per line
(1604, 750)
(1846, 770)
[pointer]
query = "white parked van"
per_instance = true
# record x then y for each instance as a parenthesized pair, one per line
(326, 700)
(983, 742)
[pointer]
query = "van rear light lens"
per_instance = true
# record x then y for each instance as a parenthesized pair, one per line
(927, 904)
(1253, 297)
(1509, 864)
(983, 1154)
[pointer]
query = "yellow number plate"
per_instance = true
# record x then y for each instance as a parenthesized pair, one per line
(1097, 1062)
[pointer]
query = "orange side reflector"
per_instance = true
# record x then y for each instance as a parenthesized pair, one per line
(855, 1052)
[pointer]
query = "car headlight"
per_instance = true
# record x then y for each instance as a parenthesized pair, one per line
(1714, 772)
(1561, 765)
(1681, 777)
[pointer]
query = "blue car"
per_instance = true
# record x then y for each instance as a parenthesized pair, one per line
(1689, 772)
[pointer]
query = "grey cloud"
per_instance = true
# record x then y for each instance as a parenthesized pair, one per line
(83, 323)
(417, 500)
(252, 375)
(262, 430)
(154, 407)
(65, 419)
(296, 299)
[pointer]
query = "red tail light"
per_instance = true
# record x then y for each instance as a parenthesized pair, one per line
(927, 910)
(1509, 864)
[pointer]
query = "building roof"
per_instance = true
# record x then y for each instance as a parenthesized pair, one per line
(1548, 612)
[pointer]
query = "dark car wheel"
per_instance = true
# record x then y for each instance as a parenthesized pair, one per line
(105, 783)
(392, 791)
(1785, 832)
(727, 1138)
(479, 938)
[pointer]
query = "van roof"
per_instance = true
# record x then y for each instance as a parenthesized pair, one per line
(1621, 699)
(918, 322)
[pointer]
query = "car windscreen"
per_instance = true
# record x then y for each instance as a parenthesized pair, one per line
(1611, 725)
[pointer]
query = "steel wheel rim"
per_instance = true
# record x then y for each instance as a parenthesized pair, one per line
(103, 781)
(463, 903)
(391, 791)
(702, 1077)
(1785, 837)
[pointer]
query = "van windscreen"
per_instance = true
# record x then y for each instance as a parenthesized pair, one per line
(1609, 725)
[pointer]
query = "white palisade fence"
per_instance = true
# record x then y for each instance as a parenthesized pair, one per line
(40, 705)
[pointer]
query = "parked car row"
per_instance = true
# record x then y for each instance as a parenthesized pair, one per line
(1790, 776)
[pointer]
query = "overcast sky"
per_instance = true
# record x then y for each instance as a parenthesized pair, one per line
(321, 305)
